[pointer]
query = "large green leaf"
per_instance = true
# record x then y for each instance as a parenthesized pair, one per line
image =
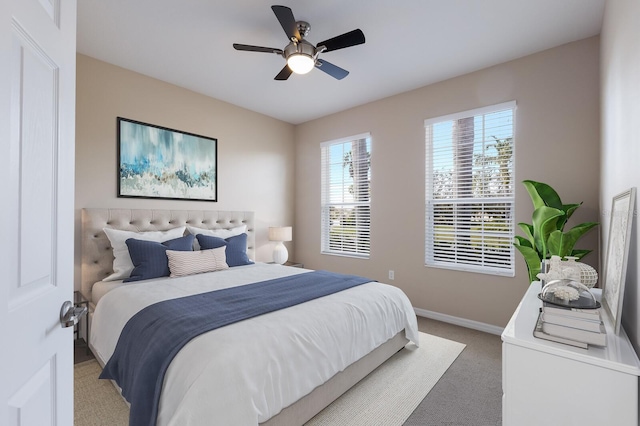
(568, 211)
(544, 223)
(522, 241)
(532, 259)
(528, 232)
(542, 194)
(570, 208)
(562, 243)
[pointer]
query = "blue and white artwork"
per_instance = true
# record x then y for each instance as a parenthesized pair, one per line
(156, 162)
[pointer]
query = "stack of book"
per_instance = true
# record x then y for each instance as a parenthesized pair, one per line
(576, 327)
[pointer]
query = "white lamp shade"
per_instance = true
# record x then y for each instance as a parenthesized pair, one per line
(280, 233)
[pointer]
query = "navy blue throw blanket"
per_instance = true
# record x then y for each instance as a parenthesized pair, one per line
(151, 338)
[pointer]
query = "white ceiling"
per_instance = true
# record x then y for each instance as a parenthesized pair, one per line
(409, 44)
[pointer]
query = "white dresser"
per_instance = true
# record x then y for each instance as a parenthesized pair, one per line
(548, 383)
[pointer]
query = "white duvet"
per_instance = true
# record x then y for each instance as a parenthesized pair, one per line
(245, 373)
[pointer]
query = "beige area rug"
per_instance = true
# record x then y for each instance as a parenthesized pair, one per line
(386, 397)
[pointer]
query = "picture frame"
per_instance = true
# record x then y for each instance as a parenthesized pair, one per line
(164, 163)
(622, 212)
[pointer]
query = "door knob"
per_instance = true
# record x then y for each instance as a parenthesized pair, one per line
(70, 315)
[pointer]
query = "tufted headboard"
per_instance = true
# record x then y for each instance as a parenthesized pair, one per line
(97, 256)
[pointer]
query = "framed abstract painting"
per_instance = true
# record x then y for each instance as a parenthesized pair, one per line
(622, 209)
(157, 162)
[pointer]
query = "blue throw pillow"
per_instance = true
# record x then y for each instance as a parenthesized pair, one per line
(150, 258)
(236, 248)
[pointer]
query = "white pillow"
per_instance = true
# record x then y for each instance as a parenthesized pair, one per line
(220, 233)
(196, 262)
(122, 265)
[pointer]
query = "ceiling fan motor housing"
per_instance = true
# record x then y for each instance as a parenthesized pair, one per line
(302, 47)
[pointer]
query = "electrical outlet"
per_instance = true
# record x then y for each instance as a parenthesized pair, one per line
(391, 274)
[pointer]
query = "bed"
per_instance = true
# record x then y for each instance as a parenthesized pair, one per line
(263, 374)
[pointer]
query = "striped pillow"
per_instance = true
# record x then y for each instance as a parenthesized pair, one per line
(196, 262)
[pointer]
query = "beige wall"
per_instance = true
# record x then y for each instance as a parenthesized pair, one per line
(557, 141)
(620, 151)
(255, 152)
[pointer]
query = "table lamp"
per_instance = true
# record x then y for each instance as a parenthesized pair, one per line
(280, 234)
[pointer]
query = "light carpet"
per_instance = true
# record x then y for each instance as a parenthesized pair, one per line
(386, 397)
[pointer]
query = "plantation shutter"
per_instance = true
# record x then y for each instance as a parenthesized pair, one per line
(346, 196)
(470, 191)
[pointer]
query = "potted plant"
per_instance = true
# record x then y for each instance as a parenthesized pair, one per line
(545, 236)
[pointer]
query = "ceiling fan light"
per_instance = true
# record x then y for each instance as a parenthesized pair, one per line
(300, 63)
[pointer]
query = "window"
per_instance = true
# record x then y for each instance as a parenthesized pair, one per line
(470, 191)
(346, 196)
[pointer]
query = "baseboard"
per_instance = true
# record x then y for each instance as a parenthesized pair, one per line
(462, 322)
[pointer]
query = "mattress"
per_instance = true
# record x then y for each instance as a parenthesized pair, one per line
(101, 288)
(246, 373)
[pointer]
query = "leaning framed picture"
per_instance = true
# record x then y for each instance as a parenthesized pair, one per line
(157, 162)
(615, 269)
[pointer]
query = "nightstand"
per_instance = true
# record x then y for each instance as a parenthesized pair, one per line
(78, 301)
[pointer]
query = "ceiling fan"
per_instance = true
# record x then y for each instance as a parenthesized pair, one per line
(302, 56)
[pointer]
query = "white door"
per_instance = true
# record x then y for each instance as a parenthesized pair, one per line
(37, 138)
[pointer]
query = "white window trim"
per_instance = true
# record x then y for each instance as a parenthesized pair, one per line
(366, 135)
(477, 111)
(429, 189)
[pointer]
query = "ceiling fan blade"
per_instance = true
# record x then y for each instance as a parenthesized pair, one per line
(288, 22)
(284, 73)
(333, 70)
(250, 48)
(352, 38)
